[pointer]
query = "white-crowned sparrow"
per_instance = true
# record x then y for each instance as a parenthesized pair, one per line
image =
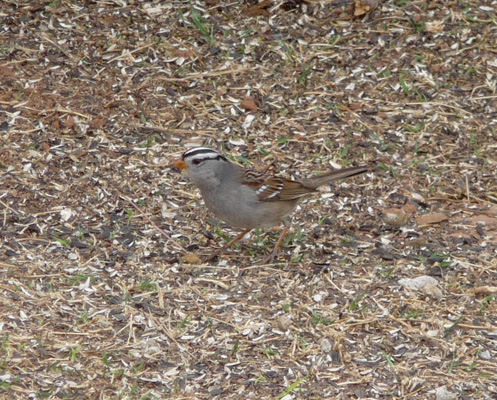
(247, 199)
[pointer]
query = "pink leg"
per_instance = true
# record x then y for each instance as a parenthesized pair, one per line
(237, 239)
(274, 253)
(230, 243)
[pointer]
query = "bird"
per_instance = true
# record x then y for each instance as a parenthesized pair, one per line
(247, 199)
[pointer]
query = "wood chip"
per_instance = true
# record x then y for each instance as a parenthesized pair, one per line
(430, 219)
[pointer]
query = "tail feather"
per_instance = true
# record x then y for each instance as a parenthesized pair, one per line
(313, 183)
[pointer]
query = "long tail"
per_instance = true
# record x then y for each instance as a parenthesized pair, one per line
(314, 183)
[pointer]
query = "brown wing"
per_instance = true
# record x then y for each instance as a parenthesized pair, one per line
(270, 188)
(273, 188)
(328, 177)
(293, 190)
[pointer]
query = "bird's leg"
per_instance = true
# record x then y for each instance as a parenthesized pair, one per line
(274, 253)
(237, 239)
(230, 243)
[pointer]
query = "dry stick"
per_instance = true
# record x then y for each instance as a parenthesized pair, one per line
(205, 75)
(4, 264)
(189, 48)
(57, 109)
(66, 53)
(467, 188)
(155, 225)
(128, 52)
(18, 61)
(7, 207)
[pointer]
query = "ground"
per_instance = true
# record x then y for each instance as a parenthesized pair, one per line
(106, 289)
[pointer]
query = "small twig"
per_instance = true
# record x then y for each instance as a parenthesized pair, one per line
(129, 53)
(57, 109)
(18, 62)
(7, 207)
(155, 225)
(483, 290)
(483, 97)
(205, 75)
(67, 111)
(66, 53)
(467, 189)
(189, 49)
(8, 265)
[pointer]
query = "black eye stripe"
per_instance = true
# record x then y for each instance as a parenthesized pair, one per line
(197, 161)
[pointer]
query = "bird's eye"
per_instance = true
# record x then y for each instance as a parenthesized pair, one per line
(196, 162)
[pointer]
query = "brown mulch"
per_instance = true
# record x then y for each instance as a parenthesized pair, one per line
(101, 299)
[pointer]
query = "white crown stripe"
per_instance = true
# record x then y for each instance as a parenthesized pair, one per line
(204, 156)
(199, 150)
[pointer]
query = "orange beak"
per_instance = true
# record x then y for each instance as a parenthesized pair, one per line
(179, 163)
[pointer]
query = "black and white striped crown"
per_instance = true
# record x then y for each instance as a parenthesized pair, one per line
(200, 154)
